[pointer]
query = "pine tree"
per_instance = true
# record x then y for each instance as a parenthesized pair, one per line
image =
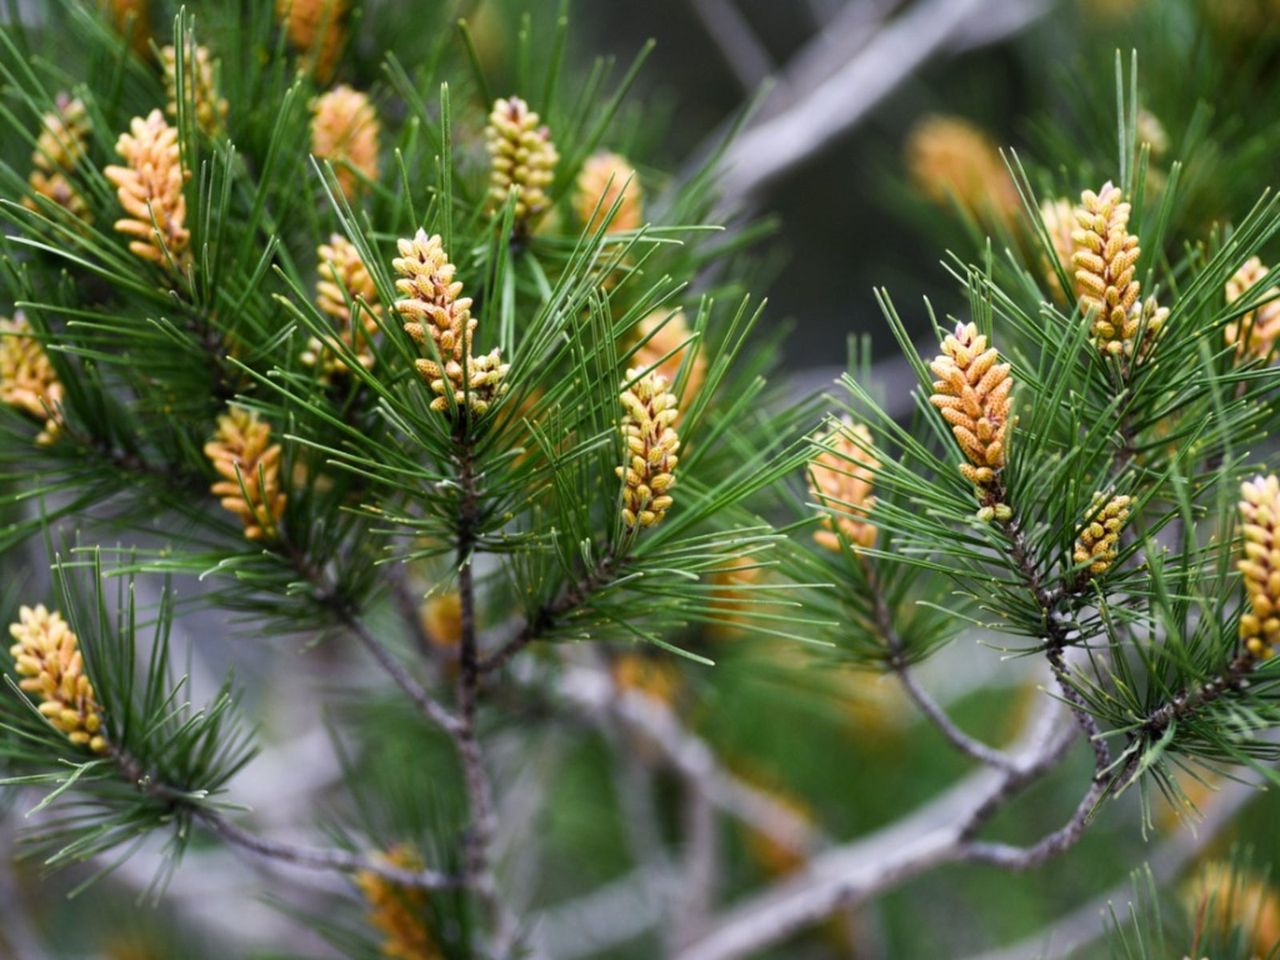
(420, 363)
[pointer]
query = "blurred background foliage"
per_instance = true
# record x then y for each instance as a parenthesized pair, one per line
(843, 748)
(852, 217)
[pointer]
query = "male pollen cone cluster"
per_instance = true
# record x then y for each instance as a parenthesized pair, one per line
(733, 594)
(47, 657)
(28, 381)
(606, 179)
(662, 333)
(346, 293)
(130, 17)
(973, 392)
(248, 462)
(1105, 260)
(842, 478)
(1255, 333)
(149, 187)
(61, 143)
(1260, 566)
(398, 913)
(522, 160)
(647, 675)
(1097, 542)
(952, 161)
(211, 109)
(317, 28)
(1227, 902)
(432, 306)
(1059, 219)
(441, 619)
(345, 131)
(649, 415)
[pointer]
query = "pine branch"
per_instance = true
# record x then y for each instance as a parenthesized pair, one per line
(830, 108)
(595, 692)
(1079, 710)
(548, 615)
(737, 42)
(967, 745)
(701, 872)
(479, 838)
(320, 858)
(1011, 857)
(1232, 678)
(1056, 641)
(346, 614)
(315, 858)
(1084, 924)
(427, 705)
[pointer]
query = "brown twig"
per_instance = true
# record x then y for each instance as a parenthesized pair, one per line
(935, 834)
(1188, 701)
(479, 838)
(345, 613)
(1010, 857)
(549, 614)
(321, 858)
(316, 858)
(967, 745)
(427, 705)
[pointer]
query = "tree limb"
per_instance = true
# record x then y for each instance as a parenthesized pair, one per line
(1083, 925)
(320, 858)
(697, 889)
(595, 692)
(851, 873)
(1011, 857)
(426, 704)
(479, 871)
(548, 615)
(772, 147)
(969, 746)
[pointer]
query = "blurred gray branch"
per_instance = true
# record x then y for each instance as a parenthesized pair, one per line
(1085, 924)
(595, 693)
(853, 872)
(736, 41)
(848, 69)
